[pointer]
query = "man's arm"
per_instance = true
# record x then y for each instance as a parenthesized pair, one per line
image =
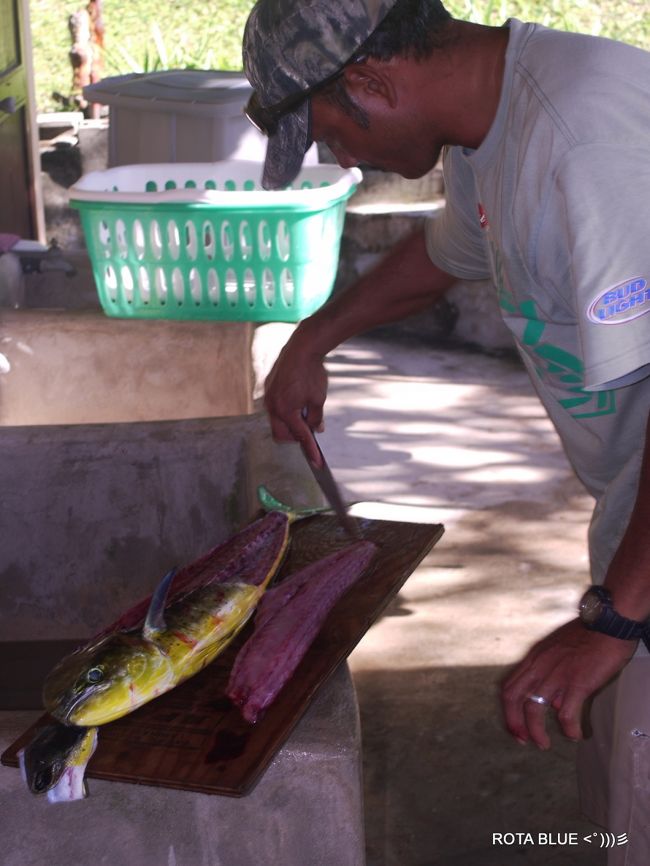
(572, 663)
(403, 283)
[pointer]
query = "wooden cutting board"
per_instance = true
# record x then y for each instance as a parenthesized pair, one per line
(193, 738)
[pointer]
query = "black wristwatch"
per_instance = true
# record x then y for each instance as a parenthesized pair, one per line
(597, 613)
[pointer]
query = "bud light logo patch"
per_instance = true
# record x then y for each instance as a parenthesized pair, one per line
(621, 303)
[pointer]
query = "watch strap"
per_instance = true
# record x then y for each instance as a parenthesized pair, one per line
(613, 624)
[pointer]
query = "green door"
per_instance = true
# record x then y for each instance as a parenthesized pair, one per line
(17, 206)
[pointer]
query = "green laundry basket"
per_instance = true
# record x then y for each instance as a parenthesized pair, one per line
(203, 241)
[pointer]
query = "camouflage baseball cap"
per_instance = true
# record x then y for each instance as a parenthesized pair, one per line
(291, 47)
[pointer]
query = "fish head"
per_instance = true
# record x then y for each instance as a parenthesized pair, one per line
(106, 680)
(52, 750)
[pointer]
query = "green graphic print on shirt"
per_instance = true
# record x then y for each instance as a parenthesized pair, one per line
(554, 364)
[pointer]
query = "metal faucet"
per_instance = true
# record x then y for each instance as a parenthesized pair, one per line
(45, 259)
(28, 257)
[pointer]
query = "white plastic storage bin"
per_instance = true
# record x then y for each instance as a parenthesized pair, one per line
(182, 115)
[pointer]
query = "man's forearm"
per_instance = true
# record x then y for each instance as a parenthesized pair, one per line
(628, 576)
(403, 283)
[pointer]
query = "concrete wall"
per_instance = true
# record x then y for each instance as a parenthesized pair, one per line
(80, 367)
(388, 208)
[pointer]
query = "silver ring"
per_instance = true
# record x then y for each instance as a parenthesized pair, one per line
(538, 699)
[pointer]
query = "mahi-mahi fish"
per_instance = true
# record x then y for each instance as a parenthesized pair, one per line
(157, 644)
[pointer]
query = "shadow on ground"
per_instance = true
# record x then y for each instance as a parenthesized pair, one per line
(441, 776)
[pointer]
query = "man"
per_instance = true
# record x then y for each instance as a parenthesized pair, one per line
(546, 140)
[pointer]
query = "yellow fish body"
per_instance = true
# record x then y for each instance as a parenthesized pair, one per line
(122, 671)
(119, 671)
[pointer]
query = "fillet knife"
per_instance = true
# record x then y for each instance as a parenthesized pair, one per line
(330, 489)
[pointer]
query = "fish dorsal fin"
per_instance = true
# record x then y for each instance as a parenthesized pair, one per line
(155, 619)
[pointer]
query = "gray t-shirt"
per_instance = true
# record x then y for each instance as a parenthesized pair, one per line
(554, 207)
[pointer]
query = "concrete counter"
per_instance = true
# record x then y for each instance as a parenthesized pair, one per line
(92, 515)
(305, 811)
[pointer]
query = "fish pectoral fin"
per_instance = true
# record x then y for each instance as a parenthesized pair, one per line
(155, 619)
(21, 764)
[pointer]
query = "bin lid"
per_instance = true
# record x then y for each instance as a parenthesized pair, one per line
(203, 89)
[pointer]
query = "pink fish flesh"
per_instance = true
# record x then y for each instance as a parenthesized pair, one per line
(288, 621)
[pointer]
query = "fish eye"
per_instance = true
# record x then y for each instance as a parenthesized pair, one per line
(95, 675)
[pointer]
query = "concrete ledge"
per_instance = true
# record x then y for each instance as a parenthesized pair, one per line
(306, 810)
(82, 367)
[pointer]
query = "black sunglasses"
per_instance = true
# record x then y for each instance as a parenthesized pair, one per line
(265, 117)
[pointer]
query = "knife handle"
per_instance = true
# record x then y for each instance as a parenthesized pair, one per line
(321, 459)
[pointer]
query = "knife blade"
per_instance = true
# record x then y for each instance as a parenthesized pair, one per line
(330, 489)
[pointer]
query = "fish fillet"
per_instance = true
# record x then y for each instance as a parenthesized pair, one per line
(288, 621)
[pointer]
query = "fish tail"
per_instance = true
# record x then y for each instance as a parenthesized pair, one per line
(270, 503)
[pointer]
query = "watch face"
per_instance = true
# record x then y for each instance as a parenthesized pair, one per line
(590, 608)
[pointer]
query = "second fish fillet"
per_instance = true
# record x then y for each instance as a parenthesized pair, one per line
(287, 624)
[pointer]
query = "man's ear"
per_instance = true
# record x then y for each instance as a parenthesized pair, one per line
(371, 80)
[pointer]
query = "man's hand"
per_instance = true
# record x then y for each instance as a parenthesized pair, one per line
(294, 394)
(566, 668)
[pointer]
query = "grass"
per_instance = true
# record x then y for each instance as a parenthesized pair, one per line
(627, 20)
(187, 34)
(191, 35)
